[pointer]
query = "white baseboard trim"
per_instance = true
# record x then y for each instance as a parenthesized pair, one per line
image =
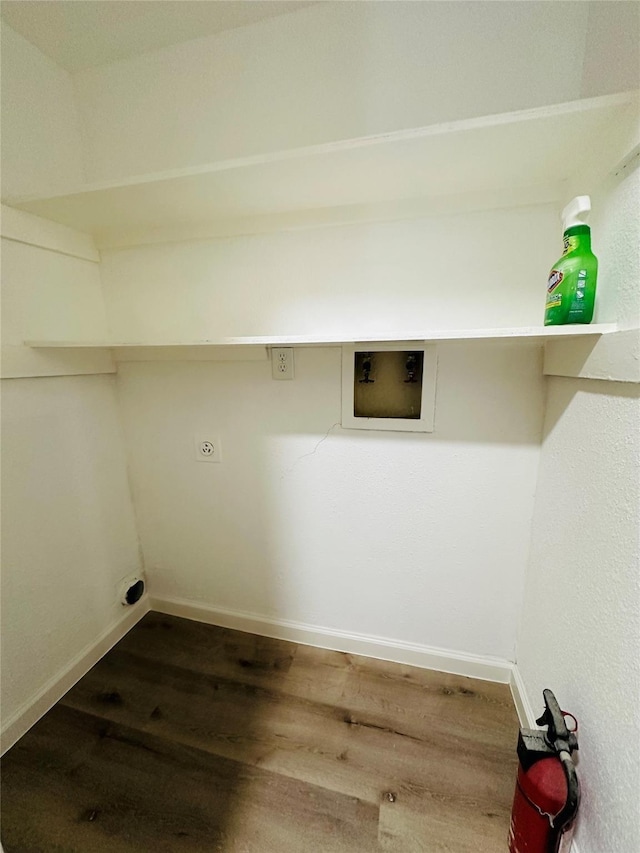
(457, 663)
(526, 714)
(36, 707)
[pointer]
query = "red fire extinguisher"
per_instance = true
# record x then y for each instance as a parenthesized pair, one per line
(547, 790)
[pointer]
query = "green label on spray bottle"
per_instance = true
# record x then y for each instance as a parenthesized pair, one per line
(571, 287)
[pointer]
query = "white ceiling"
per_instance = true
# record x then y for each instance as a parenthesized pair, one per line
(80, 34)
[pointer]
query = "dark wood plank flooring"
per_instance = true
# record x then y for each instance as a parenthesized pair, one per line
(190, 737)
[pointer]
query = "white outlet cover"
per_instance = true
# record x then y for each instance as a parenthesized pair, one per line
(208, 448)
(282, 366)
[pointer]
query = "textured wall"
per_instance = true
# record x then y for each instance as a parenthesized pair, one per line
(417, 538)
(616, 239)
(580, 633)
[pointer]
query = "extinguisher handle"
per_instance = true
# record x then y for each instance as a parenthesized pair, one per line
(567, 813)
(558, 735)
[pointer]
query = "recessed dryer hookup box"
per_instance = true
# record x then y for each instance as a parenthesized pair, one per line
(389, 386)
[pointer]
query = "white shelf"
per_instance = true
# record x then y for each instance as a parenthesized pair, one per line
(542, 333)
(523, 157)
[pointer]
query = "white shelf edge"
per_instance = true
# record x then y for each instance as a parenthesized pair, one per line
(309, 151)
(507, 333)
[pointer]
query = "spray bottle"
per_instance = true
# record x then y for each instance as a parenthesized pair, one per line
(571, 289)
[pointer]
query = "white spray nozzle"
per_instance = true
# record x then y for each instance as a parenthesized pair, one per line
(576, 212)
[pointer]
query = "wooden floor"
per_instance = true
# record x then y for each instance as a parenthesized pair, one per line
(189, 737)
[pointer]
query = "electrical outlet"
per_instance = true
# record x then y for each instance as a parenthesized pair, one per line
(208, 448)
(282, 362)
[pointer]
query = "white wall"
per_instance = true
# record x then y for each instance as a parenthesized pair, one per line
(68, 528)
(416, 538)
(68, 531)
(264, 534)
(235, 536)
(616, 230)
(460, 271)
(41, 150)
(51, 290)
(47, 295)
(580, 632)
(332, 71)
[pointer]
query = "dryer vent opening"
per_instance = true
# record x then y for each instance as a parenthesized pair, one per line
(134, 593)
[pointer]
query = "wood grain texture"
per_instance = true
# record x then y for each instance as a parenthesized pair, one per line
(191, 737)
